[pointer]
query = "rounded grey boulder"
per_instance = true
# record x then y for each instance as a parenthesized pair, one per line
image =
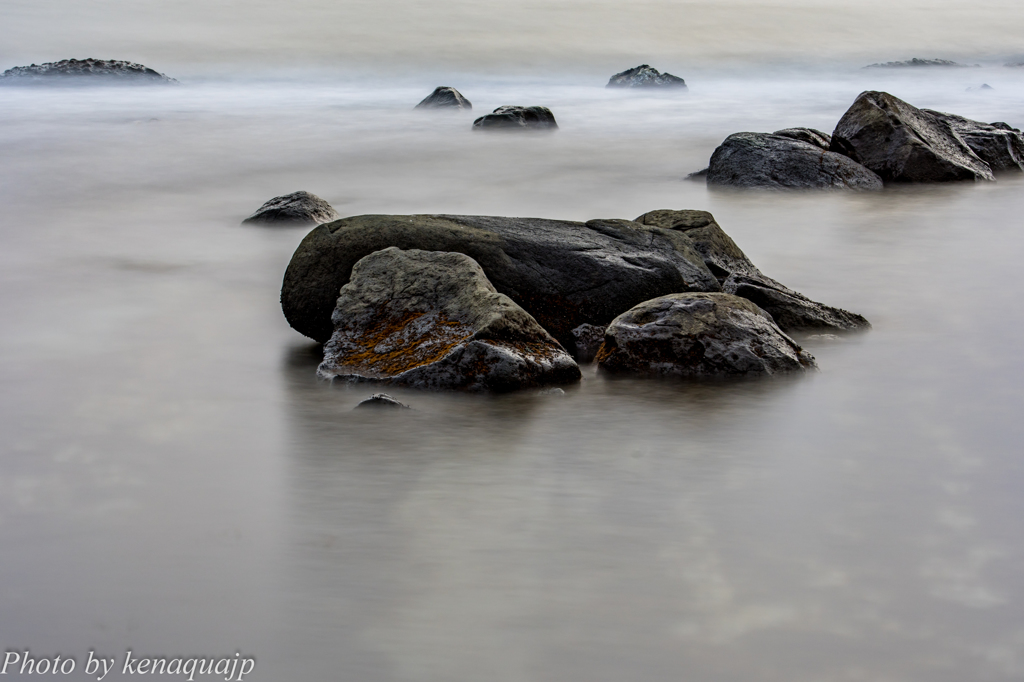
(297, 208)
(444, 97)
(699, 335)
(809, 135)
(432, 320)
(772, 161)
(379, 401)
(645, 76)
(514, 117)
(84, 72)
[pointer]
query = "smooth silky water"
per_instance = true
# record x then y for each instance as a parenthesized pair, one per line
(177, 482)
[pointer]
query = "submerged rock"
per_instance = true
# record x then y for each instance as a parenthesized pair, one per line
(381, 401)
(84, 71)
(297, 208)
(702, 335)
(773, 161)
(905, 144)
(513, 117)
(645, 76)
(563, 273)
(791, 310)
(445, 97)
(917, 62)
(432, 320)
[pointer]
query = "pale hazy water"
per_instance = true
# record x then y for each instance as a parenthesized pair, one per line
(176, 481)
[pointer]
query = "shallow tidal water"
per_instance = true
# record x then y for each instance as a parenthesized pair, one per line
(177, 482)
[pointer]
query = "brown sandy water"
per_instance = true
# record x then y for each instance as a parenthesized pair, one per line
(178, 483)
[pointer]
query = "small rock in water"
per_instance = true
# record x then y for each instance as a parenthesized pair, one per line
(381, 400)
(297, 208)
(917, 62)
(645, 76)
(551, 390)
(1014, 65)
(698, 176)
(700, 335)
(983, 86)
(85, 71)
(445, 97)
(513, 117)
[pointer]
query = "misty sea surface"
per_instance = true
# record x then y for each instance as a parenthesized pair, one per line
(176, 481)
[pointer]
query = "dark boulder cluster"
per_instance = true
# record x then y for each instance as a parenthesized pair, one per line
(879, 140)
(83, 72)
(645, 76)
(498, 304)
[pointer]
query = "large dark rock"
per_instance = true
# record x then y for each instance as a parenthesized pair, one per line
(905, 144)
(84, 71)
(997, 144)
(563, 273)
(644, 76)
(791, 310)
(771, 161)
(428, 319)
(513, 117)
(445, 97)
(915, 62)
(699, 334)
(297, 208)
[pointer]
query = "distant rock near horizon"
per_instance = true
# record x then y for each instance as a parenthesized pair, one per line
(645, 76)
(1014, 65)
(444, 97)
(919, 62)
(85, 71)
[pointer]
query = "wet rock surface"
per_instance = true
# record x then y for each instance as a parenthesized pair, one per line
(791, 310)
(433, 320)
(645, 76)
(902, 143)
(588, 338)
(84, 71)
(297, 208)
(514, 117)
(997, 144)
(699, 335)
(771, 161)
(563, 273)
(808, 135)
(444, 97)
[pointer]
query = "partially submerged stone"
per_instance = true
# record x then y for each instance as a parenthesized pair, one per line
(773, 161)
(379, 401)
(645, 76)
(444, 97)
(564, 273)
(791, 310)
(85, 72)
(699, 335)
(297, 208)
(997, 144)
(432, 320)
(514, 117)
(902, 143)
